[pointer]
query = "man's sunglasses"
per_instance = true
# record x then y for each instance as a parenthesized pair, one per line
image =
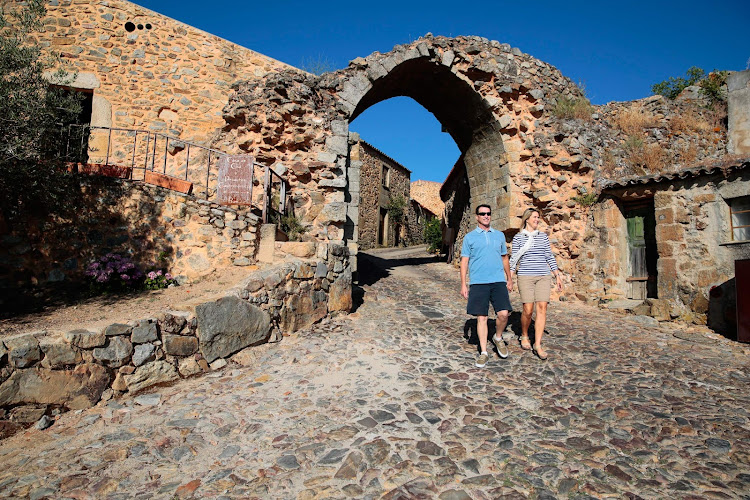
(484, 213)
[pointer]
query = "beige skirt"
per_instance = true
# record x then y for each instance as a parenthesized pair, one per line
(534, 288)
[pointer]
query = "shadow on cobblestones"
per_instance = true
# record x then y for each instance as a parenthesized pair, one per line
(387, 403)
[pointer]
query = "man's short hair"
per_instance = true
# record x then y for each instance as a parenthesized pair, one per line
(476, 211)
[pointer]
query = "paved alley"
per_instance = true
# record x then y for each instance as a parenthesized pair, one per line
(386, 403)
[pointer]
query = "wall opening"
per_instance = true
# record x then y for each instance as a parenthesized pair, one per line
(642, 253)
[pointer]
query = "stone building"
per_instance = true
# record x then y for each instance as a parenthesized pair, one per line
(383, 182)
(673, 239)
(142, 72)
(427, 194)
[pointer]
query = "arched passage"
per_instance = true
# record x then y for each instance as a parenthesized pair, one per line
(461, 110)
(489, 97)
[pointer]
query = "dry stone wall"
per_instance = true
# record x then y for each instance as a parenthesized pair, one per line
(44, 373)
(159, 228)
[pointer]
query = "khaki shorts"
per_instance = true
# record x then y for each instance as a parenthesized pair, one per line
(534, 288)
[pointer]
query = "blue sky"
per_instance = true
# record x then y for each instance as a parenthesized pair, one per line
(617, 51)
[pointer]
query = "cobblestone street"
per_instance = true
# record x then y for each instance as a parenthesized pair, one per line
(386, 403)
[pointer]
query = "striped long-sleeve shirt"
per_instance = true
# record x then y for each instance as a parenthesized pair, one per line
(537, 261)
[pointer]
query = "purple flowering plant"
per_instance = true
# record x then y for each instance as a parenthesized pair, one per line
(156, 280)
(113, 272)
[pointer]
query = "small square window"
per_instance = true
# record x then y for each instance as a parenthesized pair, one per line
(739, 216)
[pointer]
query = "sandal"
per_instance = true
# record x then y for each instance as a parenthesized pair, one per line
(525, 344)
(540, 353)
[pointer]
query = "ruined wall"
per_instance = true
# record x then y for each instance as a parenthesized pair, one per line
(572, 157)
(427, 194)
(157, 227)
(490, 97)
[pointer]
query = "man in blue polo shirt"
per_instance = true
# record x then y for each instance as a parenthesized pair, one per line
(484, 255)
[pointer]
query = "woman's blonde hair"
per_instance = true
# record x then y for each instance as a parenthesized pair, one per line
(527, 213)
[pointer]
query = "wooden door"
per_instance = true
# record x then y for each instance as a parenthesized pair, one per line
(637, 270)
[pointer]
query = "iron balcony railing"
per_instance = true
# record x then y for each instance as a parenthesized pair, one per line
(142, 151)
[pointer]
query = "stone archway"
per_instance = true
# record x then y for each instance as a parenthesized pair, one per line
(491, 99)
(453, 100)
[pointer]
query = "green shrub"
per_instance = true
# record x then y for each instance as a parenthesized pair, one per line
(433, 235)
(292, 226)
(712, 87)
(672, 87)
(397, 209)
(159, 279)
(633, 143)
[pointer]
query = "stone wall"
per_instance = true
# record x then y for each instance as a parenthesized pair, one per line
(374, 197)
(738, 94)
(427, 194)
(147, 71)
(696, 253)
(44, 373)
(157, 227)
(458, 218)
(489, 96)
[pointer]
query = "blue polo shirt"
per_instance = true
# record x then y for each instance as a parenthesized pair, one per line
(485, 250)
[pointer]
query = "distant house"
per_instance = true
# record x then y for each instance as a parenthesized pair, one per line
(383, 182)
(427, 194)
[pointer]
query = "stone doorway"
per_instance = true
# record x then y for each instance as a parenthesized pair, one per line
(642, 254)
(383, 228)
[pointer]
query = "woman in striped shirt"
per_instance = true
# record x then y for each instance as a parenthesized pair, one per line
(533, 257)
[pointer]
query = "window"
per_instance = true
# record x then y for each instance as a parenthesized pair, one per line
(739, 211)
(385, 177)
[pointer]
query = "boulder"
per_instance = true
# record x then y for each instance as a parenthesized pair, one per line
(178, 345)
(303, 249)
(117, 329)
(340, 294)
(660, 309)
(229, 324)
(156, 372)
(23, 351)
(85, 339)
(115, 353)
(144, 353)
(75, 389)
(189, 367)
(301, 310)
(172, 322)
(28, 414)
(58, 354)
(145, 332)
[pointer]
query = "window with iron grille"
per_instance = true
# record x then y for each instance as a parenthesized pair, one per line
(739, 217)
